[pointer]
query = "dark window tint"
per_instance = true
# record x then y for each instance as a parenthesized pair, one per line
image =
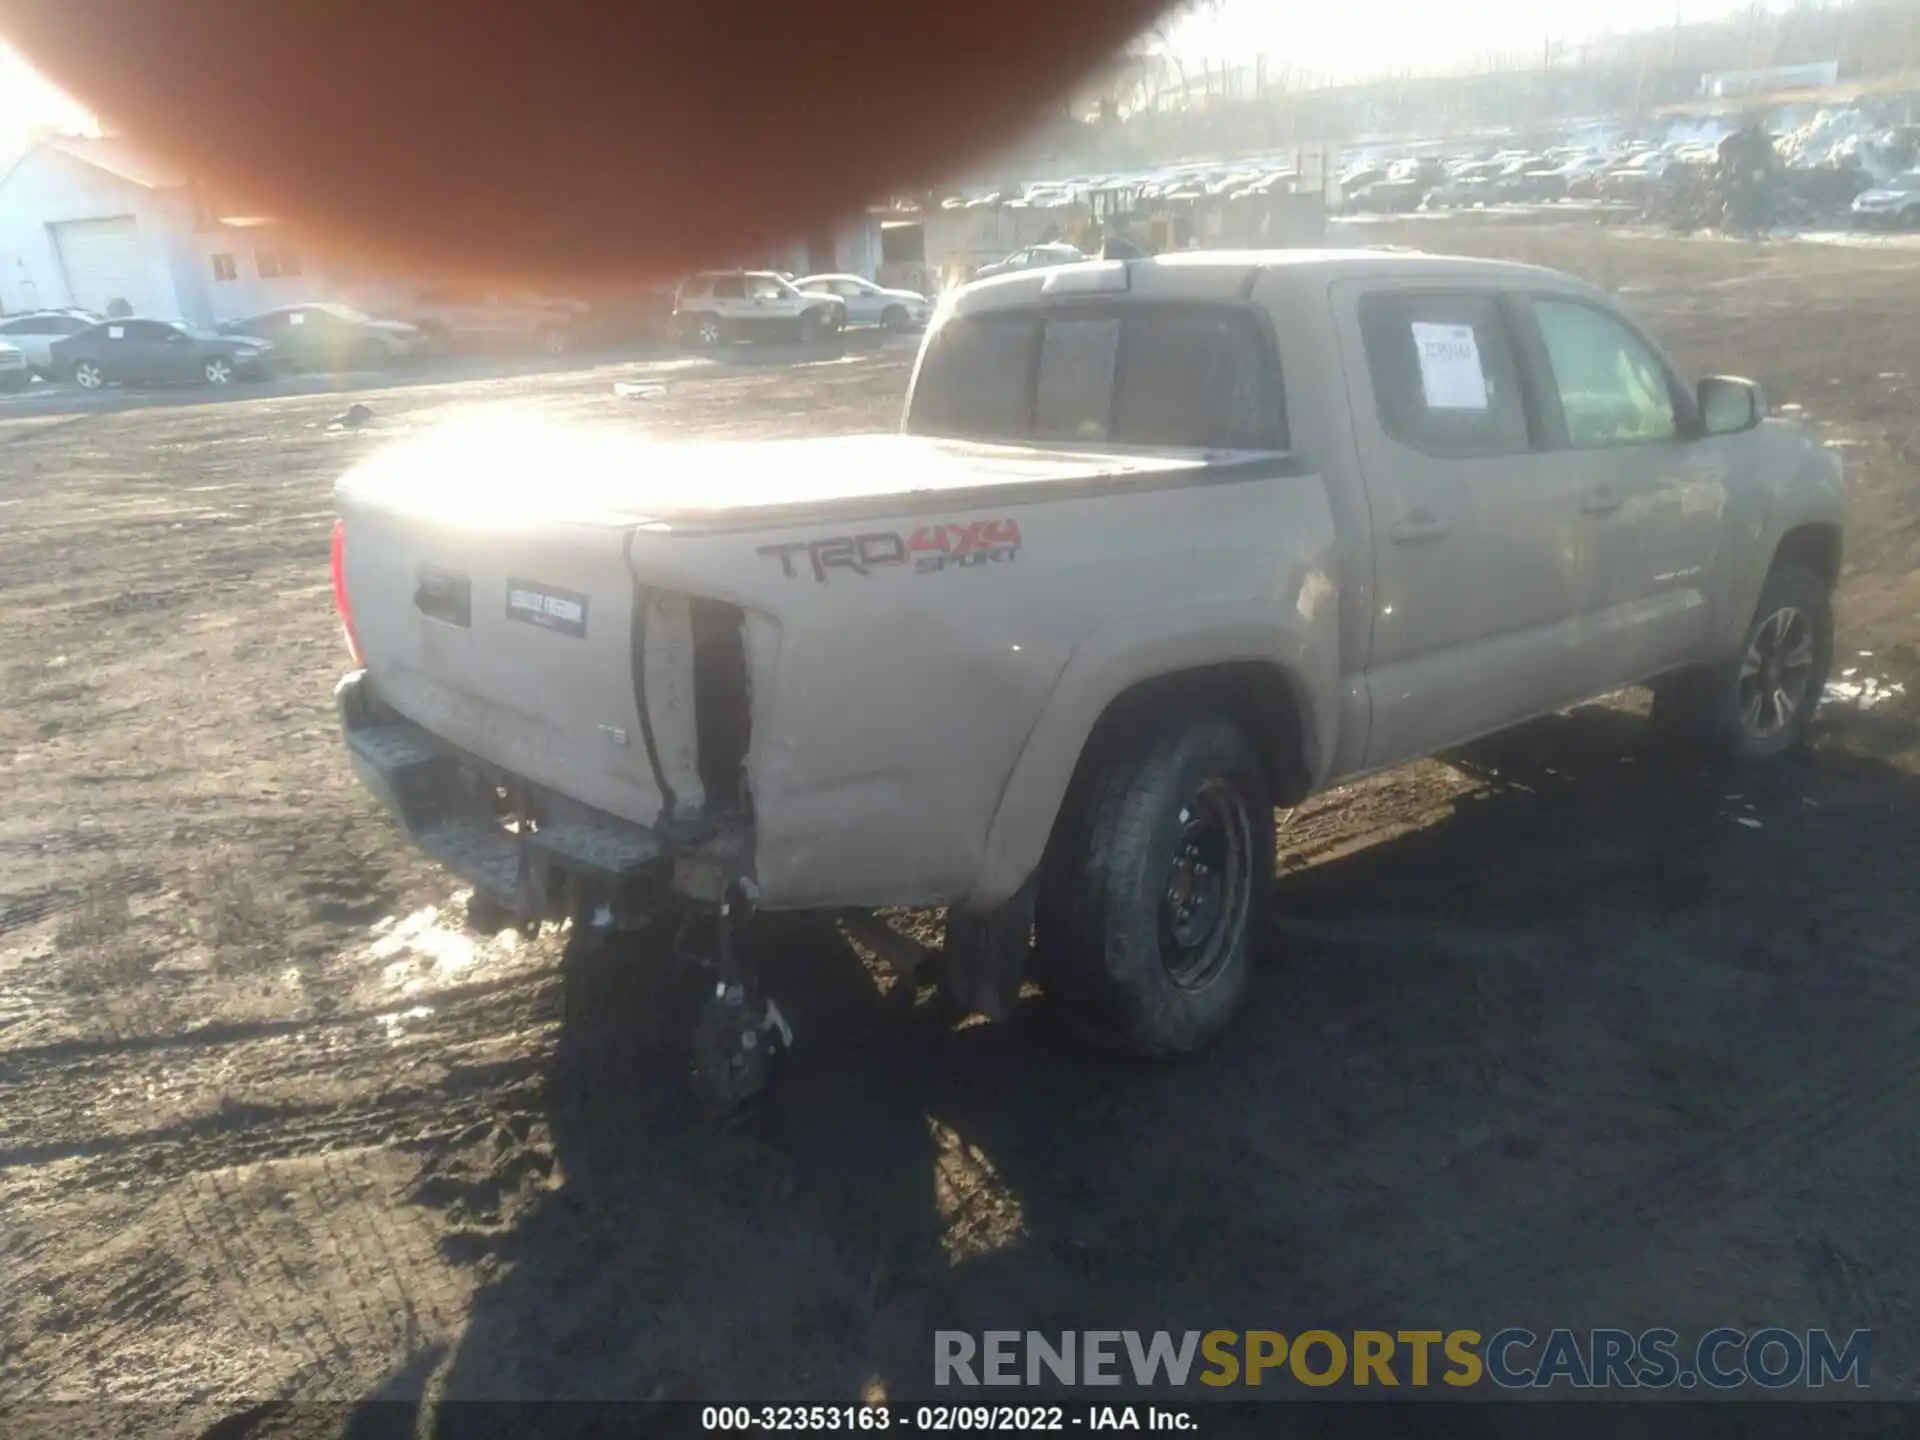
(729, 287)
(1197, 377)
(1443, 373)
(1073, 395)
(1144, 374)
(976, 378)
(147, 330)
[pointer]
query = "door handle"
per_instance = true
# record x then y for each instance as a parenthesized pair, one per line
(1599, 501)
(1420, 525)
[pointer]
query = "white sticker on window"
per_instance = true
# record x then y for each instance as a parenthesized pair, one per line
(116, 332)
(296, 318)
(1450, 370)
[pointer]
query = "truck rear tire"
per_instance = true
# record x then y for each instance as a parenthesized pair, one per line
(1760, 703)
(1155, 889)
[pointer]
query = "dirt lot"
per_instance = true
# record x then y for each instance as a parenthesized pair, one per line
(1546, 1037)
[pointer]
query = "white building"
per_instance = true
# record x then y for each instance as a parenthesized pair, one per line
(1726, 84)
(90, 221)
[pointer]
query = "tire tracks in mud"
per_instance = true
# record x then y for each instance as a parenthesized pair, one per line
(43, 1088)
(56, 1053)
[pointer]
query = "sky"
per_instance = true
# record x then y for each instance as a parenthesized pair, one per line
(1350, 39)
(1345, 39)
(28, 99)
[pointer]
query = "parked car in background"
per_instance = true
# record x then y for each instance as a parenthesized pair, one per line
(324, 336)
(715, 306)
(1635, 179)
(1389, 197)
(1891, 205)
(1034, 257)
(492, 320)
(871, 304)
(1359, 177)
(14, 372)
(33, 333)
(1472, 184)
(1581, 176)
(1428, 170)
(139, 352)
(1534, 179)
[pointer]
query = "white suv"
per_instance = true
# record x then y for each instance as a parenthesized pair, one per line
(33, 334)
(720, 305)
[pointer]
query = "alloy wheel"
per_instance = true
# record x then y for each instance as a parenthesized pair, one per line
(1776, 672)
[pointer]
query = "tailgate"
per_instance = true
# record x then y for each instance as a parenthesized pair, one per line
(514, 643)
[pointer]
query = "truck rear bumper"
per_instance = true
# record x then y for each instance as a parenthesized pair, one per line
(536, 854)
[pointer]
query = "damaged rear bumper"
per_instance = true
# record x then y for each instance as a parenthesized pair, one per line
(536, 854)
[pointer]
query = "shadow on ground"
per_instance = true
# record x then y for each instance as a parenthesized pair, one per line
(1585, 1051)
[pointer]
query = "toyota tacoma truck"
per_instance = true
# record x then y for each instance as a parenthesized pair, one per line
(1161, 546)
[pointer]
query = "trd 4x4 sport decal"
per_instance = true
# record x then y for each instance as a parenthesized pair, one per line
(928, 548)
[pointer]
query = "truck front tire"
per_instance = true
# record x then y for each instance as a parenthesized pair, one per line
(1155, 888)
(1760, 703)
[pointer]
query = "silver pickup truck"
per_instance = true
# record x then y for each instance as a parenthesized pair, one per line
(1162, 545)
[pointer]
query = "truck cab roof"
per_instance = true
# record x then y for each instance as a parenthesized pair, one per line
(1231, 274)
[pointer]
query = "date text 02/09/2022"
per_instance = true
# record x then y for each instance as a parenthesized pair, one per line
(942, 1419)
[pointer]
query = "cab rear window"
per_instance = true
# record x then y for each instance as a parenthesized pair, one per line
(1141, 374)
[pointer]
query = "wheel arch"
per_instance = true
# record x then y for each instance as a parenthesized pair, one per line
(1256, 676)
(1817, 546)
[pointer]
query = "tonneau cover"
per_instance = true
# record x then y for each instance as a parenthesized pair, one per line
(495, 473)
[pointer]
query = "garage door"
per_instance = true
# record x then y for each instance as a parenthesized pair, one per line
(105, 261)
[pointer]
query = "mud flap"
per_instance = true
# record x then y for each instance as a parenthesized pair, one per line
(985, 955)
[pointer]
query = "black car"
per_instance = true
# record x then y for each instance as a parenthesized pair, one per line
(134, 352)
(325, 336)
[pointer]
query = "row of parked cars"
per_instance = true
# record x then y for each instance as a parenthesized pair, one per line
(92, 350)
(1635, 174)
(1514, 177)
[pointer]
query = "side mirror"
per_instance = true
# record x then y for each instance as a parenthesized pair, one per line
(1729, 405)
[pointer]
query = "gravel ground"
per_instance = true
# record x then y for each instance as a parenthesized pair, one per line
(1545, 1036)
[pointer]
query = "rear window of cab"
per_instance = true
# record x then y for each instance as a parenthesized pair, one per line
(1179, 375)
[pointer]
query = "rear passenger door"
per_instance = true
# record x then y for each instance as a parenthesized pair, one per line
(1480, 578)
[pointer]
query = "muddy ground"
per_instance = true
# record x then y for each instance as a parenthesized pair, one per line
(1546, 1035)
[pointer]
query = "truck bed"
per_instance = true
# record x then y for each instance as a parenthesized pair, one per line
(517, 471)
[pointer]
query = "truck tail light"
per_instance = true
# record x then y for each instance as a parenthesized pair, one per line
(340, 600)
